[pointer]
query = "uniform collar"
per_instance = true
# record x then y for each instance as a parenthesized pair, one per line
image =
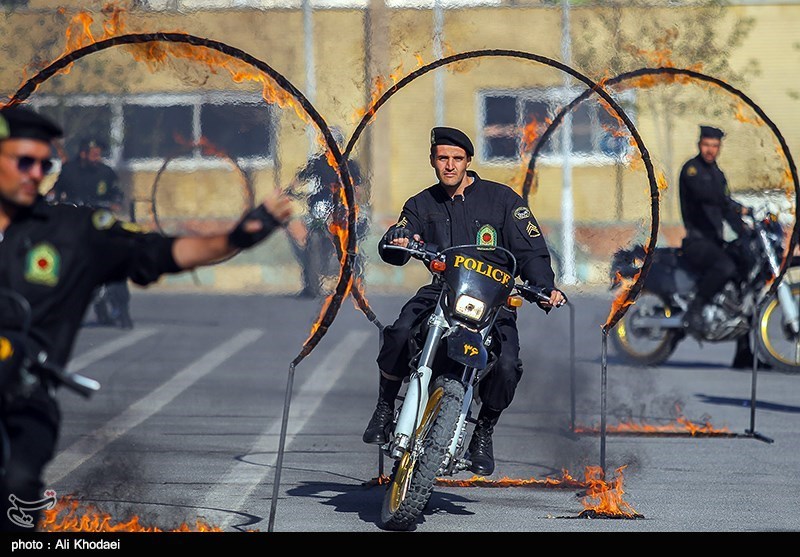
(38, 209)
(470, 189)
(702, 161)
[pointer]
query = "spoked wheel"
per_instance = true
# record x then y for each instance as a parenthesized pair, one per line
(415, 474)
(778, 345)
(648, 346)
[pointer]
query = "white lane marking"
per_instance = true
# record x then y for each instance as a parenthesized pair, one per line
(88, 358)
(82, 450)
(232, 491)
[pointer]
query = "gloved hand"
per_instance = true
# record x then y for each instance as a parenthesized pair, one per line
(243, 237)
(396, 233)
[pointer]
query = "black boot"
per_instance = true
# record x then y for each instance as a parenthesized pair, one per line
(479, 452)
(743, 358)
(376, 432)
(693, 319)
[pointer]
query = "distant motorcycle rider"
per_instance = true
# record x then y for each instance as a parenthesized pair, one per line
(705, 205)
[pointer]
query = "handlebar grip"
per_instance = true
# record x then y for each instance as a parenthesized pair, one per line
(84, 386)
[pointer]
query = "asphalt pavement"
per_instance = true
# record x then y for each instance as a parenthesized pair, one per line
(187, 423)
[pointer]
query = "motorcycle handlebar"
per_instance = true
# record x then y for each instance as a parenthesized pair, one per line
(415, 248)
(80, 384)
(538, 293)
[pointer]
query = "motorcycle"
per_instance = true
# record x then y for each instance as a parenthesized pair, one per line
(456, 354)
(23, 365)
(654, 325)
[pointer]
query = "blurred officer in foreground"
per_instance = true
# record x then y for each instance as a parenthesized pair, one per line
(53, 257)
(87, 180)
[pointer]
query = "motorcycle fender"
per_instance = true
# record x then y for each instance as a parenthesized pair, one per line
(467, 347)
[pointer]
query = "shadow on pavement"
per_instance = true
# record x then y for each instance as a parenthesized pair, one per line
(366, 501)
(745, 402)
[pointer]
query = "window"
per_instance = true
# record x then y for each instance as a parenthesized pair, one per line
(81, 122)
(155, 131)
(512, 121)
(142, 131)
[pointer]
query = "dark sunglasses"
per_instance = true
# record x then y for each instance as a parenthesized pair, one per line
(25, 163)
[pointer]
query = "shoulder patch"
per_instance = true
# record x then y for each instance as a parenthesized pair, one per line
(43, 264)
(102, 187)
(402, 223)
(522, 213)
(691, 171)
(103, 219)
(533, 230)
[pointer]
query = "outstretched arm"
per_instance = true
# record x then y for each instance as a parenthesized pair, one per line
(193, 251)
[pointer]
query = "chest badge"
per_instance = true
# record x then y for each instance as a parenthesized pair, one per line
(102, 188)
(43, 265)
(487, 237)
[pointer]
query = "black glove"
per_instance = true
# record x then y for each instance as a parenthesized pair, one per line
(395, 234)
(242, 239)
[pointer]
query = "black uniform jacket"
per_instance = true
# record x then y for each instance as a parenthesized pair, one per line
(56, 255)
(449, 222)
(706, 202)
(95, 185)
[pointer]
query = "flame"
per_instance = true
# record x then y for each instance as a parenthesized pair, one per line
(70, 515)
(565, 481)
(157, 54)
(743, 118)
(530, 133)
(622, 300)
(605, 498)
(602, 499)
(339, 232)
(681, 424)
(381, 85)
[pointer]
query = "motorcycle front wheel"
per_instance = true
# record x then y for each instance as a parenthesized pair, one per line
(414, 475)
(645, 346)
(777, 344)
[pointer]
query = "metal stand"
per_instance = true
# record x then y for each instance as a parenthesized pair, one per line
(571, 367)
(754, 343)
(603, 391)
(281, 447)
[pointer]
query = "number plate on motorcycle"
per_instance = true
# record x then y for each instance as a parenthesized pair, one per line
(467, 348)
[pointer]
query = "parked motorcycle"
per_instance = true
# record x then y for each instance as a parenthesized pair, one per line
(654, 325)
(456, 352)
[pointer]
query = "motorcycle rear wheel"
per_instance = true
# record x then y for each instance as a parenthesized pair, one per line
(413, 476)
(645, 346)
(777, 345)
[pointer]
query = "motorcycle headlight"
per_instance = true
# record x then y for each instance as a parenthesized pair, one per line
(469, 307)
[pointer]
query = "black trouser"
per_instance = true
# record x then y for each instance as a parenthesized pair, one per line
(31, 426)
(714, 263)
(496, 390)
(319, 259)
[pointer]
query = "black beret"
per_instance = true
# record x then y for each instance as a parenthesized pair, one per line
(22, 122)
(452, 136)
(713, 133)
(89, 142)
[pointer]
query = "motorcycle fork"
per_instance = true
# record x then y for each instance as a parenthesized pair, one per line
(467, 378)
(787, 303)
(416, 398)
